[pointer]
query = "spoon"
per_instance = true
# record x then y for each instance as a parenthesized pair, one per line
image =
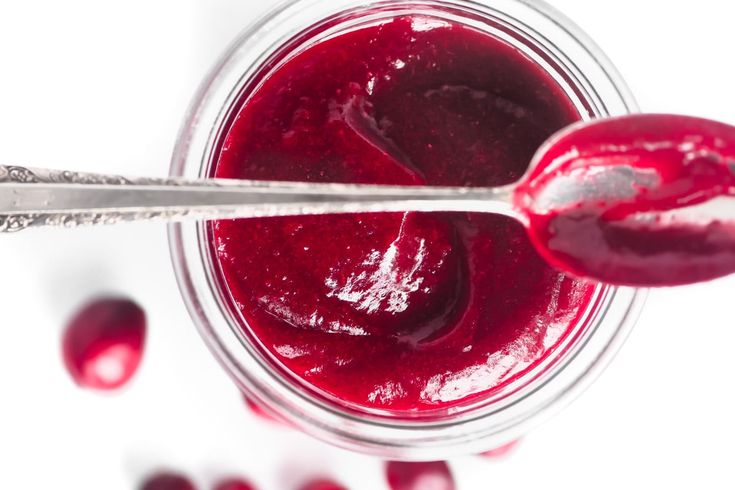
(636, 200)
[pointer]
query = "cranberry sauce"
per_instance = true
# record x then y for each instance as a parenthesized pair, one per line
(639, 200)
(403, 311)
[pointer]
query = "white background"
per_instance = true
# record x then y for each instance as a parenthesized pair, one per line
(102, 86)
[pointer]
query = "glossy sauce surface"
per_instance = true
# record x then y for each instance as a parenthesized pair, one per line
(397, 311)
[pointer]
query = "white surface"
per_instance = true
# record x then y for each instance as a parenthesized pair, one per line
(102, 86)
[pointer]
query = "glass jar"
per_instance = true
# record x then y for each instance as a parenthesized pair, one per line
(588, 79)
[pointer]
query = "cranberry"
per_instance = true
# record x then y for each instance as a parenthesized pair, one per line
(234, 484)
(258, 410)
(322, 485)
(103, 343)
(419, 476)
(167, 481)
(500, 452)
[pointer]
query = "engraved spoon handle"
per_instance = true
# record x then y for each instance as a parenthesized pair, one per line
(38, 197)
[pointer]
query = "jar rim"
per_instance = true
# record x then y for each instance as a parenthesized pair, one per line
(560, 42)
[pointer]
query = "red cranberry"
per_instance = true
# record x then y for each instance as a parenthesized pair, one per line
(167, 481)
(103, 343)
(500, 452)
(234, 484)
(419, 476)
(322, 485)
(258, 410)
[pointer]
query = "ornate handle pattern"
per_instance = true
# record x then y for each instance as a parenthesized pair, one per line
(14, 174)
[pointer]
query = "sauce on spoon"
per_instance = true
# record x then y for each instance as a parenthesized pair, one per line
(642, 200)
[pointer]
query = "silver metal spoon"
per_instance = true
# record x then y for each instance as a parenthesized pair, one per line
(32, 197)
(601, 200)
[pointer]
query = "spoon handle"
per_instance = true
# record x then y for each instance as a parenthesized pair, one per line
(39, 197)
